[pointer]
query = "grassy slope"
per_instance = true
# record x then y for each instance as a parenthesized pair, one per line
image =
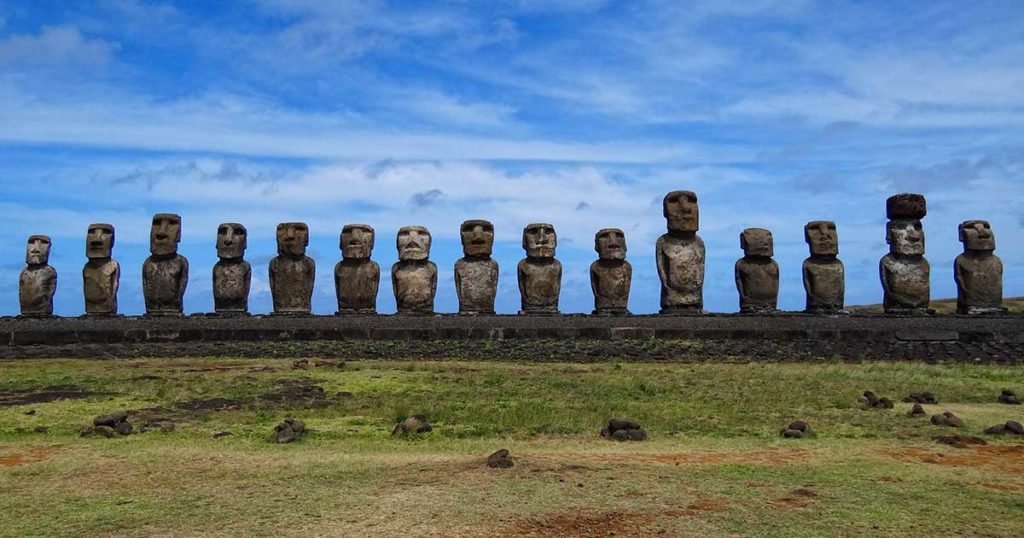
(714, 465)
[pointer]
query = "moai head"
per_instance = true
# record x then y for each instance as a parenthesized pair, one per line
(99, 242)
(757, 242)
(165, 234)
(905, 237)
(906, 206)
(976, 235)
(232, 239)
(681, 211)
(37, 251)
(477, 238)
(292, 239)
(356, 241)
(610, 244)
(539, 240)
(821, 236)
(413, 243)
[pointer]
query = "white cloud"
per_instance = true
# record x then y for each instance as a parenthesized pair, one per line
(55, 46)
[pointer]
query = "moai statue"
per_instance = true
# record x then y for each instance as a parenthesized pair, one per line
(978, 272)
(292, 273)
(356, 276)
(540, 274)
(476, 274)
(824, 275)
(610, 275)
(101, 275)
(680, 256)
(757, 274)
(414, 276)
(904, 271)
(165, 273)
(38, 280)
(232, 275)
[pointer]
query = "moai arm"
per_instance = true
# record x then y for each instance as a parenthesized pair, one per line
(247, 278)
(182, 279)
(376, 280)
(775, 277)
(521, 276)
(458, 283)
(115, 281)
(51, 287)
(957, 273)
(808, 279)
(593, 280)
(738, 276)
(659, 256)
(884, 275)
(433, 279)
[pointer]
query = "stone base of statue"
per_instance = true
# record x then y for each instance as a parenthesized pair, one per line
(610, 311)
(291, 313)
(826, 311)
(539, 311)
(230, 314)
(414, 312)
(909, 312)
(356, 312)
(681, 311)
(982, 311)
(33, 315)
(164, 314)
(758, 310)
(476, 312)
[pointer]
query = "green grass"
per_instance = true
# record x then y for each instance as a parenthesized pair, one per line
(714, 463)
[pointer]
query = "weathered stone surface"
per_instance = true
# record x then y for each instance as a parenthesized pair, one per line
(1014, 427)
(501, 459)
(101, 275)
(823, 273)
(476, 274)
(998, 429)
(165, 272)
(917, 411)
(622, 424)
(123, 428)
(232, 275)
(947, 419)
(414, 276)
(797, 429)
(611, 275)
(540, 274)
(38, 281)
(356, 276)
(680, 255)
(292, 273)
(904, 271)
(413, 424)
(289, 430)
(110, 418)
(978, 272)
(636, 434)
(102, 431)
(1007, 396)
(757, 274)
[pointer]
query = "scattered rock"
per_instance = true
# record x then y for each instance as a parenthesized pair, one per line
(960, 441)
(921, 398)
(917, 411)
(792, 434)
(998, 429)
(500, 460)
(1010, 427)
(123, 428)
(797, 429)
(30, 412)
(289, 430)
(606, 432)
(947, 419)
(636, 434)
(871, 401)
(413, 424)
(1008, 397)
(623, 429)
(110, 419)
(218, 435)
(622, 424)
(620, 435)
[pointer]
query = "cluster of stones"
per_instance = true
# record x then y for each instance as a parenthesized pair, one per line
(679, 253)
(290, 430)
(921, 398)
(797, 429)
(412, 425)
(947, 419)
(872, 401)
(622, 429)
(116, 423)
(1007, 396)
(1010, 427)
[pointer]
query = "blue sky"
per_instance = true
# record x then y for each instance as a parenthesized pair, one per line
(582, 113)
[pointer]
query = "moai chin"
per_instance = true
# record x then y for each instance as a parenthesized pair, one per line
(757, 274)
(680, 256)
(540, 274)
(356, 276)
(292, 273)
(101, 275)
(476, 274)
(38, 281)
(823, 272)
(904, 271)
(232, 275)
(165, 272)
(978, 271)
(414, 276)
(610, 275)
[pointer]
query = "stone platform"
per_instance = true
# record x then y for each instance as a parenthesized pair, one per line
(546, 338)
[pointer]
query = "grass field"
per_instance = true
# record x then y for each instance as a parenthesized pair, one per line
(714, 464)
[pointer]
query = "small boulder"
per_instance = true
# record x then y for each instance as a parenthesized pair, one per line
(884, 403)
(636, 434)
(123, 428)
(501, 459)
(1007, 396)
(110, 419)
(42, 429)
(1014, 427)
(620, 435)
(792, 434)
(917, 411)
(998, 429)
(796, 430)
(289, 430)
(953, 421)
(413, 424)
(622, 424)
(218, 435)
(606, 432)
(940, 420)
(98, 431)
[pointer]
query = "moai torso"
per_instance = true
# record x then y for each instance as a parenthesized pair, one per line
(231, 283)
(978, 272)
(165, 273)
(476, 283)
(292, 273)
(539, 274)
(356, 282)
(823, 274)
(356, 276)
(415, 284)
(38, 281)
(414, 276)
(679, 255)
(905, 282)
(757, 274)
(101, 275)
(476, 274)
(611, 275)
